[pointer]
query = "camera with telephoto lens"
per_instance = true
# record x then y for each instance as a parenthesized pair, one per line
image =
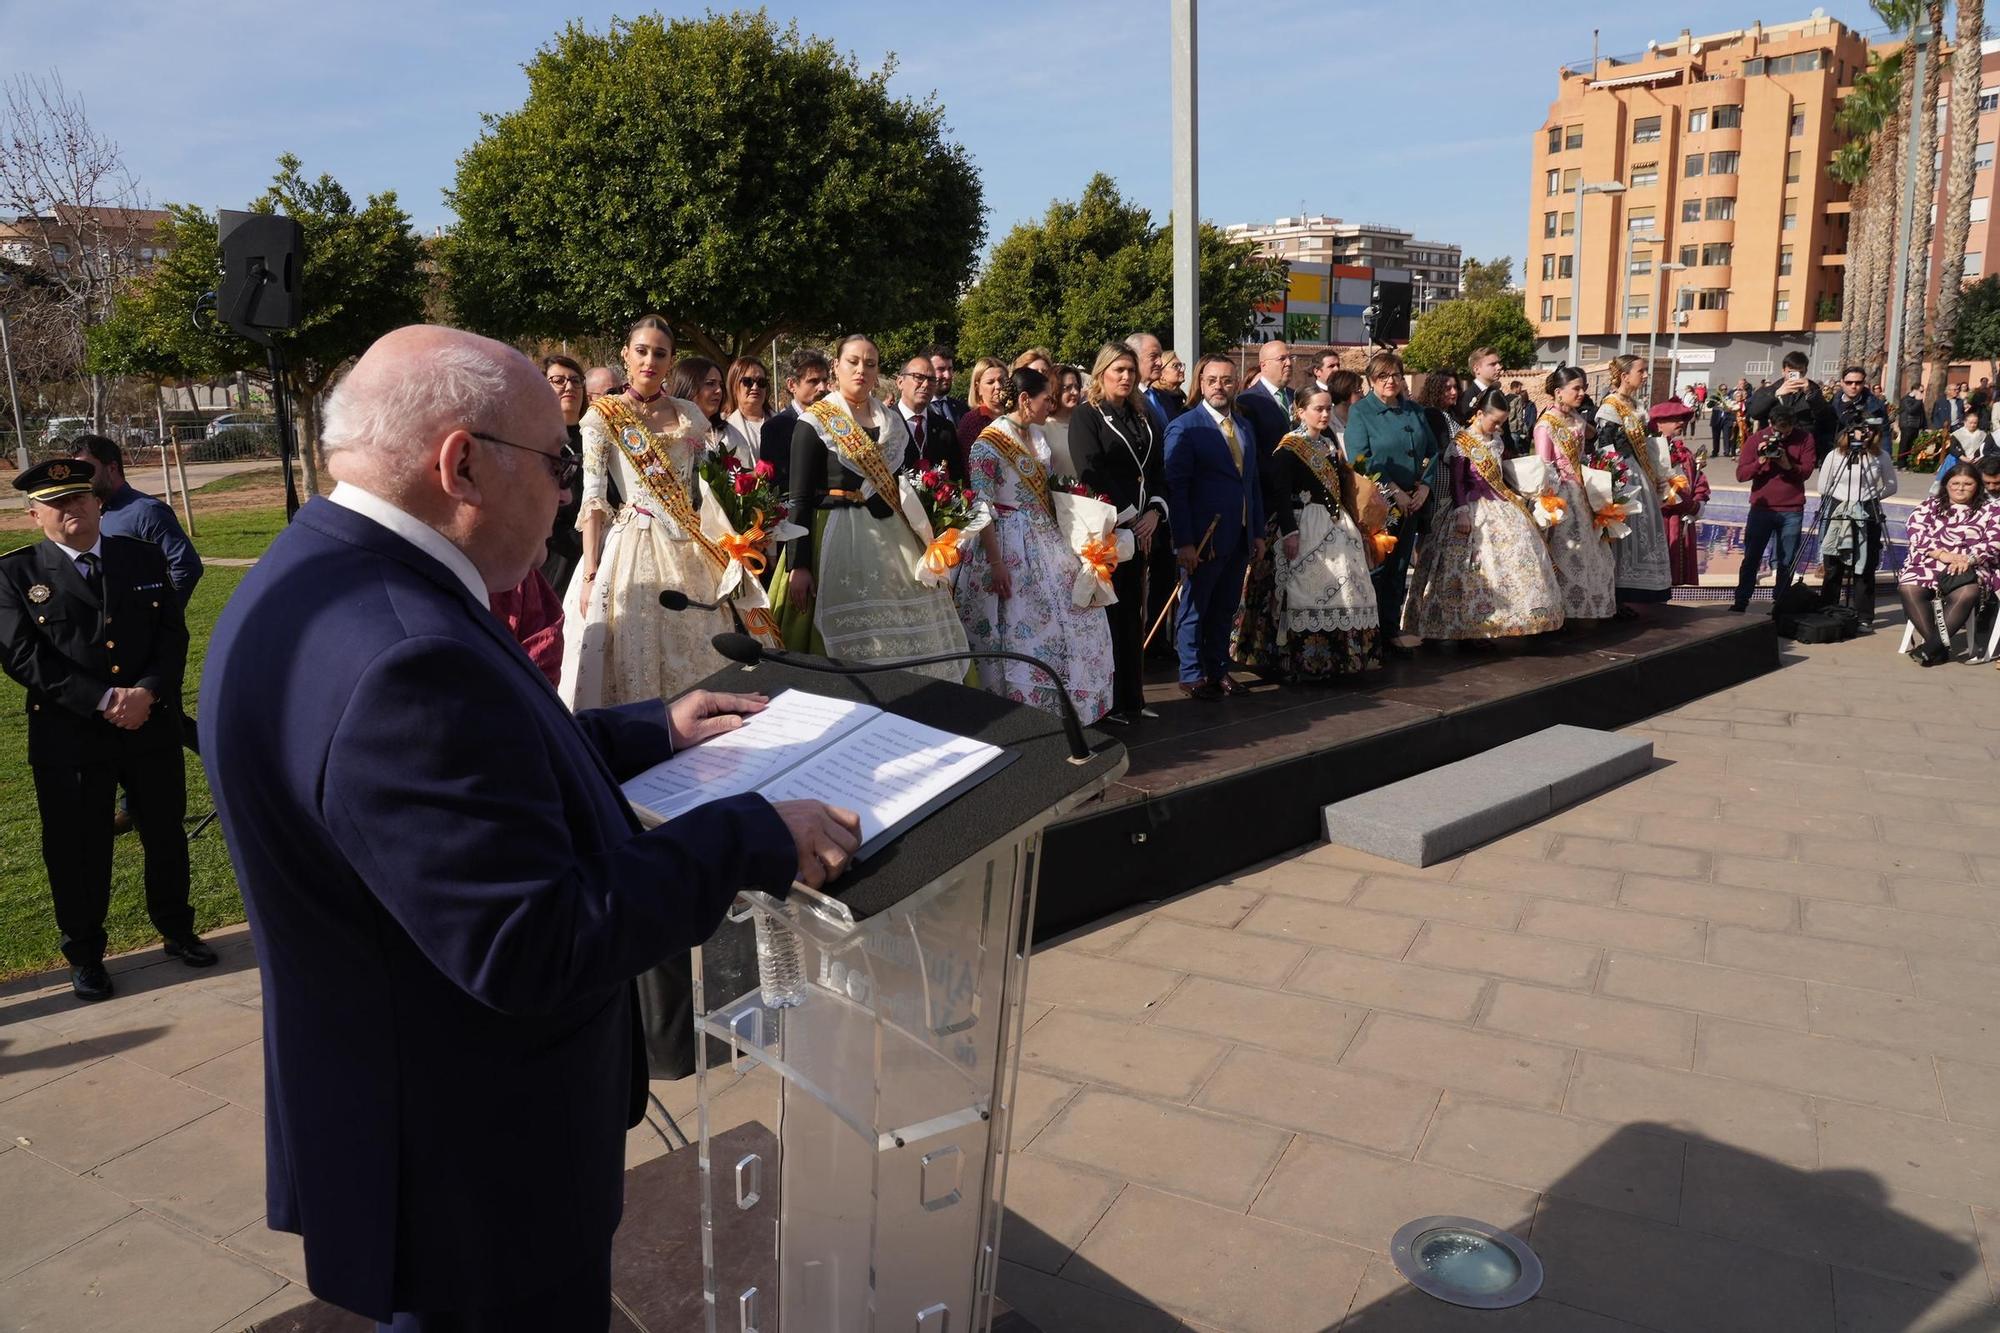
(1862, 432)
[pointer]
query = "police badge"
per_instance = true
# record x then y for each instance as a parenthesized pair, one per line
(39, 593)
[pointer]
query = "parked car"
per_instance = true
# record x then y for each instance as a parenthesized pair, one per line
(232, 421)
(234, 435)
(66, 428)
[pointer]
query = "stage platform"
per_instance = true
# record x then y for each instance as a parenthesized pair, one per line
(1213, 788)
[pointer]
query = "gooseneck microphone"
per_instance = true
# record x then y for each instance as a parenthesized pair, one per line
(748, 651)
(675, 600)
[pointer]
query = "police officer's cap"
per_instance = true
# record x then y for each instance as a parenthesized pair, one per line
(56, 479)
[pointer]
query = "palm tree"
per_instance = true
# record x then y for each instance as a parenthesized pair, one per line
(1917, 272)
(1872, 117)
(1965, 80)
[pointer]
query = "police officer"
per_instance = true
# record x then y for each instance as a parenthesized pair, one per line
(91, 626)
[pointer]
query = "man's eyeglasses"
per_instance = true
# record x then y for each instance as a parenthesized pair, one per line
(919, 379)
(563, 465)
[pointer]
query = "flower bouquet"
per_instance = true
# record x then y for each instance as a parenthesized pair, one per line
(1377, 515)
(1535, 482)
(757, 516)
(1613, 499)
(944, 516)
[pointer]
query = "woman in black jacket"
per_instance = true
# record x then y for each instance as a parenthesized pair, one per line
(1118, 453)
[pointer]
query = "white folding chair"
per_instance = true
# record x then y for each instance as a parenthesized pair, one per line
(1971, 632)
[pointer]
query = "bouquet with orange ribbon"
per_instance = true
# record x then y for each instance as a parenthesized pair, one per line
(1548, 510)
(1090, 527)
(951, 514)
(1377, 513)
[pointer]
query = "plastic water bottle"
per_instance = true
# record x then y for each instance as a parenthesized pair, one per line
(781, 982)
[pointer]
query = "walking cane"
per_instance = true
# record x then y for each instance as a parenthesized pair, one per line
(1174, 596)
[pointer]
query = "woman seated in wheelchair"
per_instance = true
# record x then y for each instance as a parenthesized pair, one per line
(1954, 563)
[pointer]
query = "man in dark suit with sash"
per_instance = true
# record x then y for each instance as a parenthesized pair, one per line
(1215, 510)
(449, 894)
(92, 626)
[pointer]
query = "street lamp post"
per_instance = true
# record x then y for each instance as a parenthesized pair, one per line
(1663, 268)
(13, 395)
(1633, 240)
(1576, 259)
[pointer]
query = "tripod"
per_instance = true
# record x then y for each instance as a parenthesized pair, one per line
(1850, 575)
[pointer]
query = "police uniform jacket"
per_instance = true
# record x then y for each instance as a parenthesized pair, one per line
(68, 646)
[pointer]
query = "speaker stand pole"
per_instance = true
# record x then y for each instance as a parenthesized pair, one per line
(283, 417)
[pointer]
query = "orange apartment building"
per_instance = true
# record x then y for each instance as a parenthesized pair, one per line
(1721, 144)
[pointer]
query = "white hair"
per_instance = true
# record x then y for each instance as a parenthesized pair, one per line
(396, 407)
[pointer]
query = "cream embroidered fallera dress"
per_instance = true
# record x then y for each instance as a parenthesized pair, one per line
(619, 644)
(1585, 567)
(1641, 554)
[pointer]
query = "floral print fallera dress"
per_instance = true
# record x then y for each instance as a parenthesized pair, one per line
(1640, 556)
(1585, 567)
(1494, 582)
(1040, 618)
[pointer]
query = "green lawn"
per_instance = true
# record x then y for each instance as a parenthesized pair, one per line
(28, 939)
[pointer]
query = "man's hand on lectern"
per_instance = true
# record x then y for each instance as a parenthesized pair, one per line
(825, 836)
(702, 715)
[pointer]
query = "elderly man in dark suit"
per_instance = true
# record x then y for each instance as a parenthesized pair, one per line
(91, 625)
(449, 896)
(1266, 402)
(1215, 510)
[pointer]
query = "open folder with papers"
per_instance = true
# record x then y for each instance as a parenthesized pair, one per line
(884, 767)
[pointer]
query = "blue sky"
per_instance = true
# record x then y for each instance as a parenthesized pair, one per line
(1313, 105)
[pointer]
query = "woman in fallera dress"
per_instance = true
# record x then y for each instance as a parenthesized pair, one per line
(1644, 573)
(848, 588)
(1490, 577)
(1308, 614)
(618, 645)
(1585, 566)
(1015, 587)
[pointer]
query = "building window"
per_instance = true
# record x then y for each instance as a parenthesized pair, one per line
(1989, 101)
(59, 252)
(1715, 254)
(1729, 117)
(1646, 129)
(1712, 298)
(1720, 210)
(1783, 308)
(1641, 266)
(1638, 309)
(1566, 266)
(1555, 139)
(1548, 225)
(1562, 307)
(1690, 255)
(1639, 219)
(1798, 124)
(1982, 156)
(1980, 209)
(1573, 137)
(1752, 68)
(1644, 174)
(1690, 210)
(1548, 308)
(1571, 177)
(1722, 164)
(1697, 121)
(1692, 167)
(1974, 262)
(1785, 262)
(1548, 268)
(1555, 180)
(1569, 224)
(1792, 167)
(1790, 222)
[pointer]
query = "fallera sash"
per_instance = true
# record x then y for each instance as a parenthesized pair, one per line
(1032, 471)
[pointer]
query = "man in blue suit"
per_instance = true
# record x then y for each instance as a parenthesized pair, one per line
(1146, 348)
(1211, 465)
(1267, 403)
(449, 896)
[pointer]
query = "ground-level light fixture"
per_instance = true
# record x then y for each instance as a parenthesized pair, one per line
(1466, 1262)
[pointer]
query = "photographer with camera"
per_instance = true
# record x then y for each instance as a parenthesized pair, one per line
(1809, 406)
(1853, 481)
(1776, 461)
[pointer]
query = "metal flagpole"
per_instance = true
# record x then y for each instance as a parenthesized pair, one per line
(13, 394)
(1187, 193)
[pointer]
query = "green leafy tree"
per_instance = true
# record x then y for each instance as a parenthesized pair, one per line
(744, 181)
(1479, 279)
(1445, 335)
(1097, 269)
(1976, 336)
(363, 276)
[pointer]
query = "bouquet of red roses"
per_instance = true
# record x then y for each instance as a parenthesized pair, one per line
(952, 514)
(748, 495)
(1072, 486)
(1608, 515)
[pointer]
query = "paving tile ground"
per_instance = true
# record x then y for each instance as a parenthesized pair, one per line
(1723, 1043)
